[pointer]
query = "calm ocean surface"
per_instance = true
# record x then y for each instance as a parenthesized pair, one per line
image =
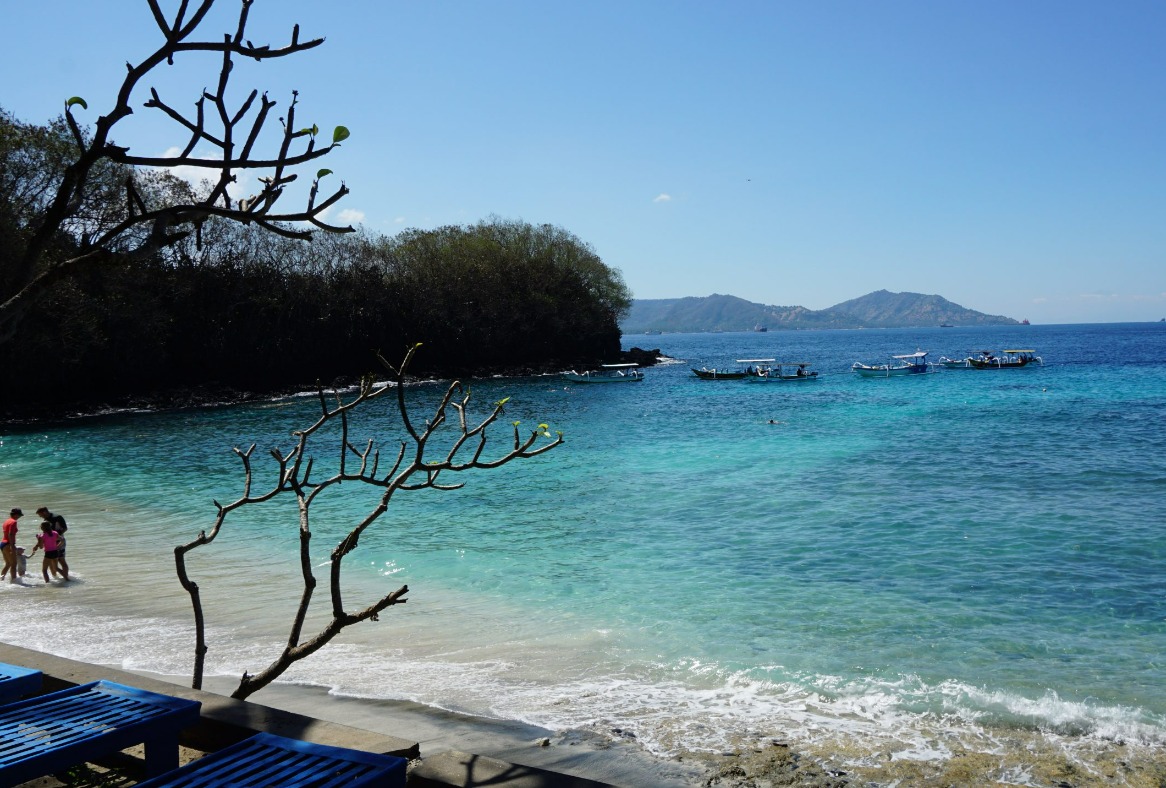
(895, 563)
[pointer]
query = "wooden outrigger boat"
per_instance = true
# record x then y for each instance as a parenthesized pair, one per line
(908, 364)
(1007, 359)
(704, 373)
(607, 373)
(785, 372)
(957, 363)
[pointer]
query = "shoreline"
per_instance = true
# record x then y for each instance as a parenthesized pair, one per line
(1032, 757)
(220, 395)
(1020, 757)
(516, 753)
(574, 753)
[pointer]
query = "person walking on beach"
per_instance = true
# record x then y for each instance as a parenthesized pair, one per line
(49, 541)
(8, 545)
(60, 527)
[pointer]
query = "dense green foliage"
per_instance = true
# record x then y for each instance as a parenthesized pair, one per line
(243, 309)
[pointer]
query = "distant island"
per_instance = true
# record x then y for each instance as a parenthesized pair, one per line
(880, 309)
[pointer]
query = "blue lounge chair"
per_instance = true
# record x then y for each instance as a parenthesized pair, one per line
(17, 682)
(266, 760)
(52, 732)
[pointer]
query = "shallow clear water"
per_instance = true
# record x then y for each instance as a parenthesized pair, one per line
(946, 551)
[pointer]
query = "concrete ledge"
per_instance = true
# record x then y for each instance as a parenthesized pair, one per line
(467, 771)
(224, 720)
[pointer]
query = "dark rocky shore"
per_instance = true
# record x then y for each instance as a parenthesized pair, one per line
(212, 394)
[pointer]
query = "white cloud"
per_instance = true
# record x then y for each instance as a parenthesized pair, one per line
(663, 198)
(197, 176)
(342, 217)
(399, 220)
(350, 216)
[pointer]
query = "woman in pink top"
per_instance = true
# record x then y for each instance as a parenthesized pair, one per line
(50, 541)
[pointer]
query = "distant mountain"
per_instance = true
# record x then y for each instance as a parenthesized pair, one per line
(880, 309)
(884, 309)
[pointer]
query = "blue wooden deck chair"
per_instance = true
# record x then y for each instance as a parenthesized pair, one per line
(50, 733)
(269, 760)
(17, 682)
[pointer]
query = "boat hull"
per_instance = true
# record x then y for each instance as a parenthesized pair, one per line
(783, 378)
(995, 364)
(717, 374)
(891, 372)
(575, 377)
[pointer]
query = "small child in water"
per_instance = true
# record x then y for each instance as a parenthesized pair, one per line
(49, 541)
(21, 562)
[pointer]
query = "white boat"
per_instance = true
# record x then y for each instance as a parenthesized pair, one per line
(784, 372)
(907, 364)
(958, 363)
(753, 367)
(607, 373)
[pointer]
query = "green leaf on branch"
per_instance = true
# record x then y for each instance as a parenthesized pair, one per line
(502, 401)
(339, 134)
(321, 173)
(76, 100)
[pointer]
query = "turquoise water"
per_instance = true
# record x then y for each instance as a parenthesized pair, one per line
(893, 560)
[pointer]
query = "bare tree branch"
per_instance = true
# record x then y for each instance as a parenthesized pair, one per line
(293, 477)
(119, 239)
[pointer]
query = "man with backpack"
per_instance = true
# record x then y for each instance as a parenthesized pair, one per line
(60, 527)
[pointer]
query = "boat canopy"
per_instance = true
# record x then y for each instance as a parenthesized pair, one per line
(1019, 351)
(619, 366)
(754, 360)
(916, 354)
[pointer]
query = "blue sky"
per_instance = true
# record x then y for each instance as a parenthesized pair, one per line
(1009, 156)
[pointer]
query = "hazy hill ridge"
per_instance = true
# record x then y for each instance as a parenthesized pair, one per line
(880, 309)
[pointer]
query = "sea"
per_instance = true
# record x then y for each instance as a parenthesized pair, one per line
(903, 568)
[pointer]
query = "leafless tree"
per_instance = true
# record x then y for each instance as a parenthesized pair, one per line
(415, 467)
(233, 132)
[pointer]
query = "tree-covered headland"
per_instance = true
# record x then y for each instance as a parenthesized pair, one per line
(237, 308)
(119, 280)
